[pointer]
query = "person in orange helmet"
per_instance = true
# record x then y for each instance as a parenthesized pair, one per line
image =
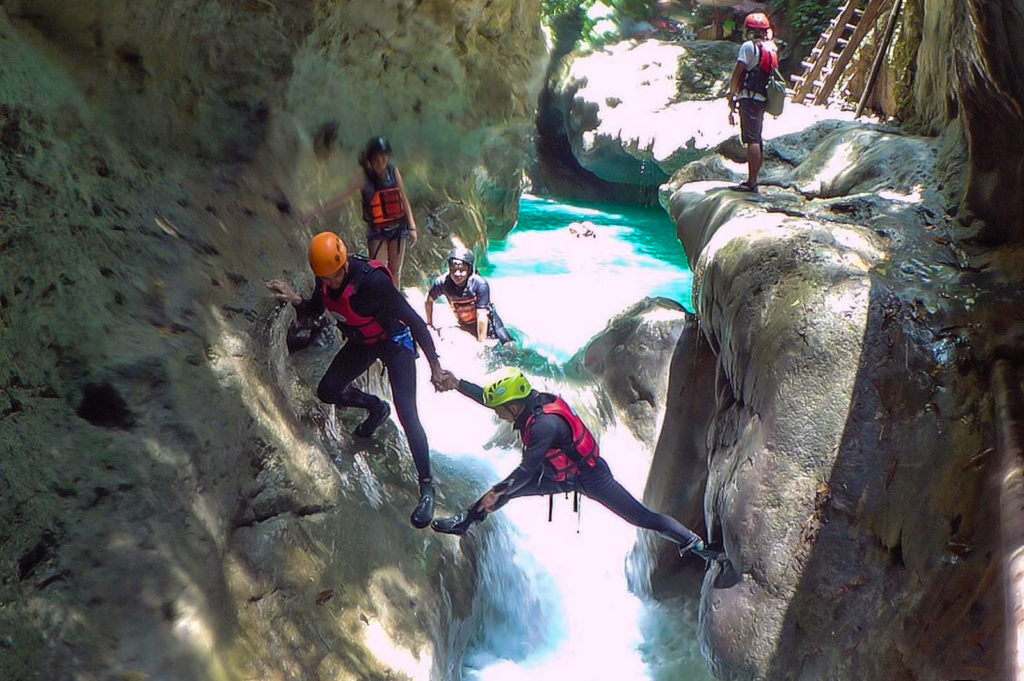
(378, 324)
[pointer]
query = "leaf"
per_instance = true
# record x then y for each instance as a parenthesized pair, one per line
(324, 596)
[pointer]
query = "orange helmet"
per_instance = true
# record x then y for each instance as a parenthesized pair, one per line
(327, 254)
(757, 21)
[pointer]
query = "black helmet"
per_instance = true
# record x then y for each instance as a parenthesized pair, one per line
(465, 255)
(377, 145)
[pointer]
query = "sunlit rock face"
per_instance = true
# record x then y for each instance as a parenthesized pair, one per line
(169, 508)
(613, 120)
(631, 356)
(968, 74)
(847, 338)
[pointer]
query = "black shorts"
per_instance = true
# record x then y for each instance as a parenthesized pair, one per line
(399, 230)
(751, 120)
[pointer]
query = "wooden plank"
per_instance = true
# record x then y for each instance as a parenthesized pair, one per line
(827, 46)
(880, 52)
(867, 24)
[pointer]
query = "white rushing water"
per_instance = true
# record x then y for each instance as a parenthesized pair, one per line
(552, 597)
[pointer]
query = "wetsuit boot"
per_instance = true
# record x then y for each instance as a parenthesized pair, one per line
(377, 416)
(687, 542)
(424, 511)
(457, 524)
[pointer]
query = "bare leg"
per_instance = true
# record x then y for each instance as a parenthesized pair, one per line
(396, 255)
(754, 158)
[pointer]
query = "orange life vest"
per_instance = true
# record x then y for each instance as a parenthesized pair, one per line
(386, 207)
(565, 463)
(355, 326)
(465, 310)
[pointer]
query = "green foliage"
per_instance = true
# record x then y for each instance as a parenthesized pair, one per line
(807, 19)
(553, 10)
(903, 67)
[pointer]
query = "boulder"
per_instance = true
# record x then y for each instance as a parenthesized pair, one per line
(617, 110)
(631, 357)
(850, 339)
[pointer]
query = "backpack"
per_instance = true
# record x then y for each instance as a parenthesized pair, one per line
(776, 93)
(765, 79)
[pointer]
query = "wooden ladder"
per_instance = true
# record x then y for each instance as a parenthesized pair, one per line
(836, 47)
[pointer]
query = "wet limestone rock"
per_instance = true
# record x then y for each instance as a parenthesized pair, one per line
(967, 81)
(678, 475)
(847, 340)
(618, 109)
(631, 357)
(172, 509)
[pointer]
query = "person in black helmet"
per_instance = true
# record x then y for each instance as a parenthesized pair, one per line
(469, 296)
(386, 209)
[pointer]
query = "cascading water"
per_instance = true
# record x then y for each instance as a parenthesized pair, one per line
(559, 290)
(552, 599)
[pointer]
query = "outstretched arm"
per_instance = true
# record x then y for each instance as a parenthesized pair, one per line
(407, 205)
(482, 320)
(335, 202)
(428, 309)
(543, 433)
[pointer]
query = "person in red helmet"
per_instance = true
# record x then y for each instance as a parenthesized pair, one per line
(748, 91)
(379, 324)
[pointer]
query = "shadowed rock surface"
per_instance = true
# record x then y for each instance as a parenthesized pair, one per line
(173, 506)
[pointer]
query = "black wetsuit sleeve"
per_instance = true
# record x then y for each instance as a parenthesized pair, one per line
(314, 305)
(545, 431)
(472, 391)
(436, 289)
(378, 296)
(483, 295)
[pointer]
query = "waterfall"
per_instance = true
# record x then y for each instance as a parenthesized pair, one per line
(552, 599)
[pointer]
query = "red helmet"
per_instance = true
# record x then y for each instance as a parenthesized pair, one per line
(757, 21)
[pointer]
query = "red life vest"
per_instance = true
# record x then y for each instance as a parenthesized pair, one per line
(465, 310)
(565, 463)
(356, 327)
(386, 207)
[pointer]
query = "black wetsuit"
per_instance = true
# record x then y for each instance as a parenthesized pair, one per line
(533, 477)
(377, 297)
(475, 286)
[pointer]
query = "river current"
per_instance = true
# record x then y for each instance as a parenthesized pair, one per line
(565, 598)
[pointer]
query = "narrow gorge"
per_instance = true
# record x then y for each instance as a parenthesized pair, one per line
(818, 400)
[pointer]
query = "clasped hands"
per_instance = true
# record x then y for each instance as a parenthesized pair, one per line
(443, 380)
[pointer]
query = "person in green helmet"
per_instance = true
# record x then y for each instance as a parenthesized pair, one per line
(560, 454)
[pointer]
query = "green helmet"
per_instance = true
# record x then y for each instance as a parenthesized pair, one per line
(510, 387)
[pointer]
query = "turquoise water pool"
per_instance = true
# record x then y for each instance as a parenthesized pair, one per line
(557, 291)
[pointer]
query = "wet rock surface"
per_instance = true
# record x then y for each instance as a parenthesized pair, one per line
(631, 358)
(847, 336)
(176, 506)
